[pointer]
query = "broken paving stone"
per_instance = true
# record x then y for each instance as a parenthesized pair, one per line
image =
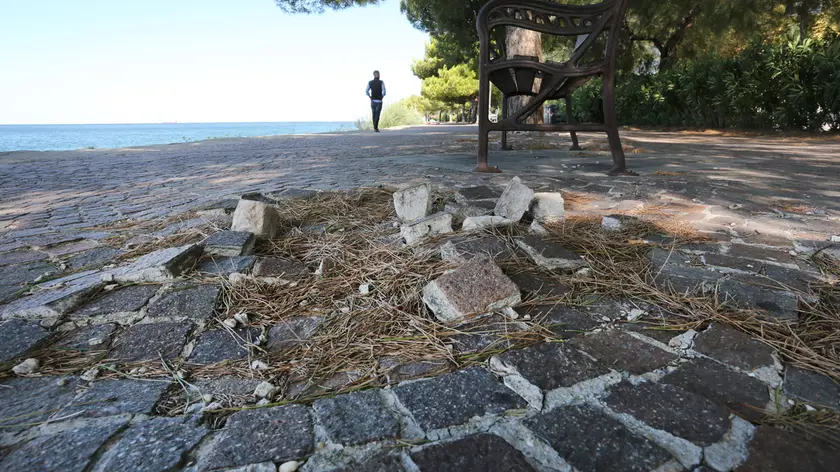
(115, 397)
(760, 253)
(434, 225)
(588, 439)
(225, 266)
(778, 304)
(17, 337)
(71, 248)
(550, 365)
(154, 444)
(772, 449)
(222, 345)
(658, 332)
(811, 387)
(292, 331)
(565, 322)
(413, 203)
(276, 434)
(145, 342)
(461, 212)
(90, 338)
(740, 393)
(94, 258)
(195, 302)
(550, 255)
(230, 243)
(378, 463)
(74, 449)
(477, 287)
(537, 283)
(34, 399)
(21, 257)
(548, 207)
(455, 398)
(256, 217)
(729, 346)
(123, 301)
(395, 371)
(480, 453)
(514, 201)
(274, 267)
(52, 303)
(19, 274)
(159, 266)
(466, 196)
(621, 351)
(356, 418)
(672, 409)
(477, 223)
(461, 249)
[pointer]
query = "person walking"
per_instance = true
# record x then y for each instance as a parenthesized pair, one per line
(376, 92)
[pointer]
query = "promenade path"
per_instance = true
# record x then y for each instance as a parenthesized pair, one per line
(614, 396)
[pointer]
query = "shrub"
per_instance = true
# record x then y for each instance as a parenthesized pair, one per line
(396, 114)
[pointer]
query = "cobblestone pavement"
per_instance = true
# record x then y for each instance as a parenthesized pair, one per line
(613, 396)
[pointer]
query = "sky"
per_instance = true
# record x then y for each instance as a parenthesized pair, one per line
(153, 61)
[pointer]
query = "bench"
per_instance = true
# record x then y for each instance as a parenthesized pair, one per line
(591, 25)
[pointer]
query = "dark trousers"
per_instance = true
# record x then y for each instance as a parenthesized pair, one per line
(376, 107)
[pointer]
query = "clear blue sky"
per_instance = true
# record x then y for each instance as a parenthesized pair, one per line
(150, 61)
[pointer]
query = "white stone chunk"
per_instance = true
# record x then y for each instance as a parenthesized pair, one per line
(256, 217)
(475, 223)
(515, 200)
(266, 390)
(413, 203)
(548, 207)
(550, 255)
(27, 367)
(159, 266)
(537, 229)
(611, 223)
(439, 223)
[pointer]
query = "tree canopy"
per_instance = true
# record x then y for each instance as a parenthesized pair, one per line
(319, 6)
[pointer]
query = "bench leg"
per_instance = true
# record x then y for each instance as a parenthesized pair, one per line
(505, 109)
(610, 121)
(571, 120)
(483, 125)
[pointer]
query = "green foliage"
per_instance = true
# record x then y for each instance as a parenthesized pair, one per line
(318, 6)
(792, 84)
(456, 84)
(401, 113)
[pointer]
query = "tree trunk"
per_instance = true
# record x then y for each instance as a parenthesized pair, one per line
(521, 42)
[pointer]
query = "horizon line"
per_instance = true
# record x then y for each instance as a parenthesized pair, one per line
(173, 123)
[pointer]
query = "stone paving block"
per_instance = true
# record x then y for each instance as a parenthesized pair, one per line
(775, 450)
(71, 450)
(787, 279)
(470, 194)
(227, 386)
(256, 217)
(278, 434)
(461, 212)
(10, 292)
(729, 262)
(760, 253)
(395, 370)
(145, 342)
(671, 409)
(461, 249)
(30, 400)
(71, 248)
(115, 397)
(225, 266)
(659, 332)
(221, 345)
(274, 267)
(19, 274)
(729, 346)
(514, 201)
(740, 393)
(154, 444)
(89, 338)
(480, 453)
(811, 387)
(548, 207)
(413, 203)
(379, 463)
(565, 322)
(195, 302)
(588, 439)
(550, 255)
(749, 293)
(453, 399)
(230, 243)
(17, 337)
(492, 332)
(478, 223)
(621, 351)
(434, 225)
(356, 418)
(122, 301)
(538, 283)
(21, 257)
(159, 266)
(94, 258)
(477, 287)
(53, 302)
(551, 365)
(292, 331)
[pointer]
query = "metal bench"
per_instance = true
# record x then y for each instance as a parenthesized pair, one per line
(521, 75)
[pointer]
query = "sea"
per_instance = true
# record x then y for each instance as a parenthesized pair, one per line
(70, 137)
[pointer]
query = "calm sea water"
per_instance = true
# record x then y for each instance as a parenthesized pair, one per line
(67, 137)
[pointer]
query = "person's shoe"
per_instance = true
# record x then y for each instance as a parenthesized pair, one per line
(376, 130)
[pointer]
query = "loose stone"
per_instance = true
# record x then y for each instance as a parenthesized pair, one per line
(266, 390)
(434, 225)
(476, 223)
(230, 243)
(515, 200)
(413, 203)
(550, 255)
(27, 367)
(548, 207)
(256, 217)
